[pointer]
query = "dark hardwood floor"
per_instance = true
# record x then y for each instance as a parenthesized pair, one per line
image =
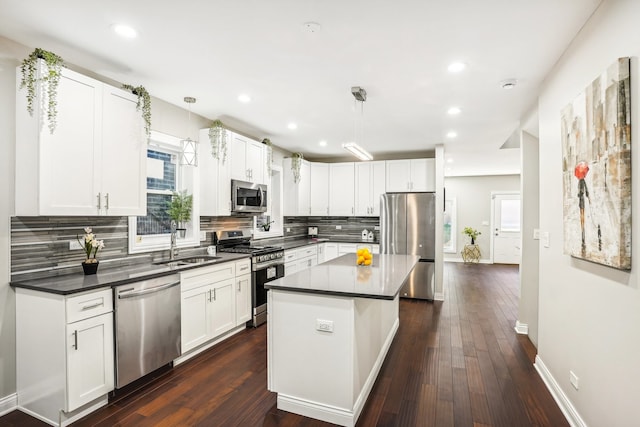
(452, 363)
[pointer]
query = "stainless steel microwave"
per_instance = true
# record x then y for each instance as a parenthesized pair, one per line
(248, 197)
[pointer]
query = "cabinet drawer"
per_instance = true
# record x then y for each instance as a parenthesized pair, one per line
(307, 251)
(290, 255)
(79, 307)
(243, 267)
(206, 275)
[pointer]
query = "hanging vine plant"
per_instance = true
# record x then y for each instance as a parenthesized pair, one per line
(144, 105)
(267, 142)
(296, 162)
(50, 76)
(218, 139)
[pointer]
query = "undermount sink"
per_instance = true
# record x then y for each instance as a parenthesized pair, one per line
(191, 260)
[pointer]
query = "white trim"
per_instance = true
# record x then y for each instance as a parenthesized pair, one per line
(567, 408)
(186, 356)
(439, 296)
(521, 328)
(482, 261)
(8, 403)
(67, 418)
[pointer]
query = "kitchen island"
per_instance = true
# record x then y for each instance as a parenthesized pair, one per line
(329, 330)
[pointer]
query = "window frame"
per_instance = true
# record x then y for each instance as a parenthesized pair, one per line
(187, 177)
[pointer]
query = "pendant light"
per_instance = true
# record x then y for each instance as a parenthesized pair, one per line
(360, 96)
(189, 147)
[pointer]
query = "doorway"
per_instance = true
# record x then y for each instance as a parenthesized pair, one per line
(505, 228)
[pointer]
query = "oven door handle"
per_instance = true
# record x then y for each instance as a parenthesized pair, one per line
(267, 264)
(260, 195)
(147, 291)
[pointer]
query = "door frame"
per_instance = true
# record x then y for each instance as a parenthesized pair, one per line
(492, 224)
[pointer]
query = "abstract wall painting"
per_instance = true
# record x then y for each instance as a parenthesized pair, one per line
(596, 170)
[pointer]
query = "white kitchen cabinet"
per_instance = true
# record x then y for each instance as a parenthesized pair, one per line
(95, 161)
(329, 252)
(351, 248)
(248, 159)
(410, 175)
(370, 183)
(208, 303)
(297, 200)
(300, 259)
(75, 333)
(215, 178)
(341, 189)
(319, 190)
(243, 291)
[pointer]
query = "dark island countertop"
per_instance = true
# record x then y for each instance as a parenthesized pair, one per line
(109, 277)
(342, 277)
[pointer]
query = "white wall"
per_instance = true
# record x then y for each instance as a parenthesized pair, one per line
(589, 315)
(530, 220)
(473, 199)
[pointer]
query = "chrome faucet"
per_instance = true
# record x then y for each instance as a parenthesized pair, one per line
(173, 250)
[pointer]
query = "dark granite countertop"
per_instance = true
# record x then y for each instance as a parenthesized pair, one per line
(109, 277)
(342, 277)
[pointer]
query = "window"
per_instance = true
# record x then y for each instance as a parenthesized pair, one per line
(449, 233)
(510, 215)
(164, 176)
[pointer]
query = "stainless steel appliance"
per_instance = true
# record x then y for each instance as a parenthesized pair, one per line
(267, 264)
(407, 226)
(147, 326)
(248, 197)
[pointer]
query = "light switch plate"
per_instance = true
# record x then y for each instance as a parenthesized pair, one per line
(536, 234)
(338, 227)
(74, 245)
(324, 325)
(203, 236)
(545, 239)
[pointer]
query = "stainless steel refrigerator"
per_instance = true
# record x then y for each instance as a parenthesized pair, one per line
(408, 226)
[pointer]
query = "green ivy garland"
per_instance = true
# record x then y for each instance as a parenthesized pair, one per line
(267, 142)
(29, 70)
(296, 162)
(144, 104)
(218, 139)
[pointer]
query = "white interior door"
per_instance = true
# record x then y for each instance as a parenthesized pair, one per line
(506, 229)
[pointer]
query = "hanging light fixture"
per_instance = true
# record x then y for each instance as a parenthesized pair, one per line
(189, 147)
(360, 96)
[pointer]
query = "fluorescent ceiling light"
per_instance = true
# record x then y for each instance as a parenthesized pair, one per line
(244, 98)
(124, 31)
(453, 111)
(357, 151)
(292, 126)
(451, 134)
(456, 67)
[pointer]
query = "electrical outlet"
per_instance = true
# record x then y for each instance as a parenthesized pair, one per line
(536, 234)
(74, 245)
(203, 236)
(573, 378)
(338, 227)
(376, 227)
(324, 325)
(288, 230)
(545, 239)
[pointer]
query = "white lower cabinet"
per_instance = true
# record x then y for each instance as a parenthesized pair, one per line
(350, 248)
(300, 259)
(215, 300)
(74, 335)
(327, 252)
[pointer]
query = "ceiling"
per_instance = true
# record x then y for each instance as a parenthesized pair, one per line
(398, 51)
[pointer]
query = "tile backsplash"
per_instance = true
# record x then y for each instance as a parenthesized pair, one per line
(350, 228)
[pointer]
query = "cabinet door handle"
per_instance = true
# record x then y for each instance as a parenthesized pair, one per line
(75, 339)
(351, 210)
(99, 206)
(107, 201)
(239, 285)
(209, 295)
(89, 307)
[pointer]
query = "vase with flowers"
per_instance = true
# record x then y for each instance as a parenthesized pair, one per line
(91, 246)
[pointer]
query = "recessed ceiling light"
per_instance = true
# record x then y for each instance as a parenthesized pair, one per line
(453, 111)
(508, 84)
(244, 98)
(292, 126)
(451, 134)
(124, 31)
(456, 67)
(322, 143)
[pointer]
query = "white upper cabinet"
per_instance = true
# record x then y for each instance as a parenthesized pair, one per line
(248, 159)
(370, 184)
(341, 189)
(296, 194)
(410, 175)
(215, 178)
(319, 190)
(95, 161)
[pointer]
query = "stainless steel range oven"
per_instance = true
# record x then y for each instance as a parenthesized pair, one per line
(267, 264)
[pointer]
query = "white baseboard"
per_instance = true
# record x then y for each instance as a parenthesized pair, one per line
(521, 328)
(206, 346)
(567, 408)
(438, 296)
(460, 260)
(8, 404)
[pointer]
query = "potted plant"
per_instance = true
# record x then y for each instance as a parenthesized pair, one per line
(91, 246)
(179, 210)
(472, 233)
(218, 139)
(144, 104)
(296, 163)
(50, 76)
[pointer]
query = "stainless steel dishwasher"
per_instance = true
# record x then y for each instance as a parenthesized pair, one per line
(147, 325)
